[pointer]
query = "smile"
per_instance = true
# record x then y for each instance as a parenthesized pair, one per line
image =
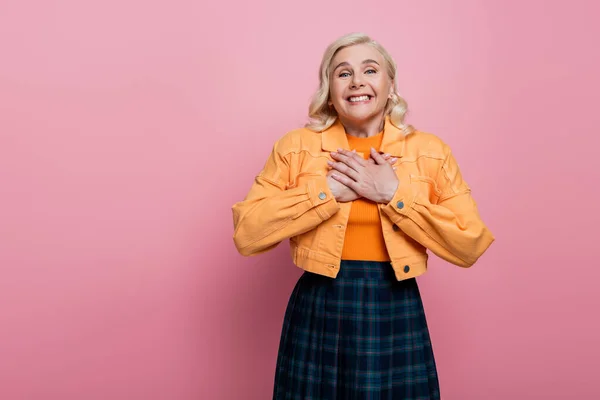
(359, 99)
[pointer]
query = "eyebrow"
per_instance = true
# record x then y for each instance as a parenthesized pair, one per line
(345, 63)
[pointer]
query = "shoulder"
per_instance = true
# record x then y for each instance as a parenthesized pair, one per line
(297, 140)
(420, 143)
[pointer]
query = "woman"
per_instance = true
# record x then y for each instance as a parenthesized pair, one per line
(355, 327)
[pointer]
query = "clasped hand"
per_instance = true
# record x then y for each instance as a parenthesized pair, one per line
(353, 177)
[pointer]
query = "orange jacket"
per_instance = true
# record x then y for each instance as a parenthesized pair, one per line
(432, 209)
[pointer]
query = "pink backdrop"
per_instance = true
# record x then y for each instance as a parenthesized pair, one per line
(129, 128)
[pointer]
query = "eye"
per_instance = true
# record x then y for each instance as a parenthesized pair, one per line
(344, 75)
(370, 71)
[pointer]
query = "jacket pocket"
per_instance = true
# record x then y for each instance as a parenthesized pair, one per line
(427, 187)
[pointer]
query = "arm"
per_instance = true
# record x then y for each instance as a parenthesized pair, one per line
(276, 209)
(452, 229)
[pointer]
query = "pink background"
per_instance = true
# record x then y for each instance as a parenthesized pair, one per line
(129, 128)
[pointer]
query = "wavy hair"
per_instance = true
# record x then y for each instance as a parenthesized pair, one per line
(321, 116)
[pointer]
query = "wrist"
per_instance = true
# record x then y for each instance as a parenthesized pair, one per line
(386, 199)
(389, 194)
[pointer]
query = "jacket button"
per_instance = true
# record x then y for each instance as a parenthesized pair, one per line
(400, 205)
(395, 228)
(322, 196)
(406, 269)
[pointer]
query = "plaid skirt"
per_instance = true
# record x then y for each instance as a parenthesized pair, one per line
(360, 336)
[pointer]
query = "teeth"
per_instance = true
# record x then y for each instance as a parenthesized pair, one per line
(361, 98)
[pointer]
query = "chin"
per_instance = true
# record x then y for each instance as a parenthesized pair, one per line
(363, 117)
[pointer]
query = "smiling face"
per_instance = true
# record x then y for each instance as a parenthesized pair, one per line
(359, 85)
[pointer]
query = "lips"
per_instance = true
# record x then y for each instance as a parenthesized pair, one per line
(360, 98)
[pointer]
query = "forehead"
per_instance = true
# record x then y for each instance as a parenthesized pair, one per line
(355, 55)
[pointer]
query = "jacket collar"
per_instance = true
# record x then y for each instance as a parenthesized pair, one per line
(393, 142)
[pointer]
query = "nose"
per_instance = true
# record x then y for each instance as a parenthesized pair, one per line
(356, 81)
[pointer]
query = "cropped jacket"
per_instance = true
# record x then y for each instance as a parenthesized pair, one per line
(431, 209)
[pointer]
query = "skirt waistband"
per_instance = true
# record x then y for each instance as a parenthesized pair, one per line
(378, 270)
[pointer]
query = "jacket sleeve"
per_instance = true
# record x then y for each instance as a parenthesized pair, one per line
(452, 228)
(278, 206)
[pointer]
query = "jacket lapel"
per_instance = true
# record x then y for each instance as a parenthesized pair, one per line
(334, 137)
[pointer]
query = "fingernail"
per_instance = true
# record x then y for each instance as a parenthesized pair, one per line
(394, 159)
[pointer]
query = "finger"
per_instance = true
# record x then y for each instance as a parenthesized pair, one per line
(377, 157)
(348, 160)
(389, 159)
(344, 169)
(386, 157)
(353, 155)
(344, 180)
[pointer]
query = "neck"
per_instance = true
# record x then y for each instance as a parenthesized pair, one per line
(368, 128)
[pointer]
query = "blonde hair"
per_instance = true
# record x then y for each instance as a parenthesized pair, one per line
(322, 116)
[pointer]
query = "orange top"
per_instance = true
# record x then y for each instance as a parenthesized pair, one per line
(364, 236)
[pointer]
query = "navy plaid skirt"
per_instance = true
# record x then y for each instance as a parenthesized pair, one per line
(360, 336)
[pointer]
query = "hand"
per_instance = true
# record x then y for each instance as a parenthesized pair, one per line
(387, 157)
(341, 192)
(375, 181)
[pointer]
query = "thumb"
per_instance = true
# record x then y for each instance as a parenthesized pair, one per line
(377, 157)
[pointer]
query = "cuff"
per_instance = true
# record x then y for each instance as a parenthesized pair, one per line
(321, 197)
(401, 204)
